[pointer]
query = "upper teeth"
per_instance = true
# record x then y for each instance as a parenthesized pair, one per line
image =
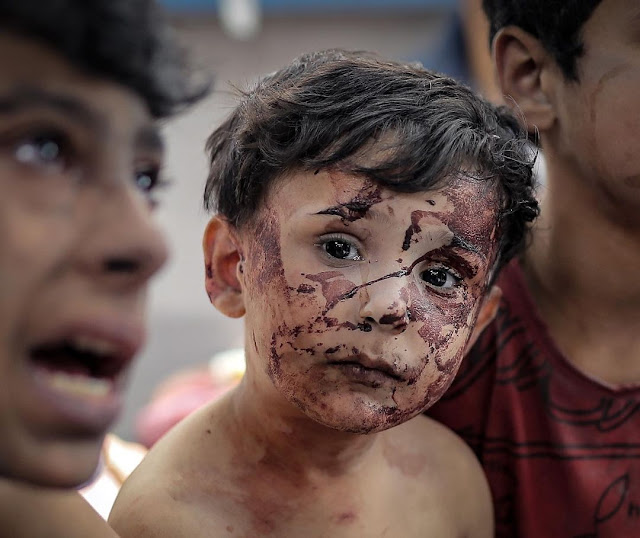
(79, 385)
(93, 345)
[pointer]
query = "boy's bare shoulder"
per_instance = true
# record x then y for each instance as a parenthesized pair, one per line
(431, 444)
(444, 472)
(162, 496)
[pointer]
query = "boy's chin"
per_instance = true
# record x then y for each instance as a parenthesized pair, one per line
(364, 417)
(62, 465)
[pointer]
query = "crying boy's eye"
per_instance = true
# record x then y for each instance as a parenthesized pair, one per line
(340, 248)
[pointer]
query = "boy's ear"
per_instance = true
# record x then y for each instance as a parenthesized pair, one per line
(222, 257)
(523, 67)
(488, 311)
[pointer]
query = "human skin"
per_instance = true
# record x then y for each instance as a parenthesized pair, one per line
(79, 157)
(358, 304)
(582, 263)
(29, 511)
(312, 316)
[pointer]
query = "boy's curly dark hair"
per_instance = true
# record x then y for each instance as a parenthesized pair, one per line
(324, 108)
(556, 23)
(126, 41)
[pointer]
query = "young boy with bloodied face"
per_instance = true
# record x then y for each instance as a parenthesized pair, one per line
(549, 397)
(82, 85)
(363, 208)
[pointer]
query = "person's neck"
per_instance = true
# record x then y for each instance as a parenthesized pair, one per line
(268, 430)
(582, 267)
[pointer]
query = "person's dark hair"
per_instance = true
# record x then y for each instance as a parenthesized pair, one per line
(325, 109)
(126, 41)
(556, 23)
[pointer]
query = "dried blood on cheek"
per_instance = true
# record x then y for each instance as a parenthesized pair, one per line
(334, 287)
(264, 269)
(267, 257)
(435, 321)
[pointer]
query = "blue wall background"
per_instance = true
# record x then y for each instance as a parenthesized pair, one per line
(310, 6)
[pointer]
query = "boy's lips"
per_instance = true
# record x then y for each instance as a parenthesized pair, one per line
(361, 362)
(78, 370)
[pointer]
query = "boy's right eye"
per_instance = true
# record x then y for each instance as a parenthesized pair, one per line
(340, 248)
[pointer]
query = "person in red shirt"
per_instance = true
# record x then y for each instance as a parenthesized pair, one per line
(549, 396)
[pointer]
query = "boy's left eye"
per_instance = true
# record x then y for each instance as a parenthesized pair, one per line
(441, 278)
(148, 180)
(341, 249)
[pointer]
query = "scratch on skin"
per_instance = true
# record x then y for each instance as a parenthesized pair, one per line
(356, 289)
(397, 274)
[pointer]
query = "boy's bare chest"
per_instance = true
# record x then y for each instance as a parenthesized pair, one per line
(336, 513)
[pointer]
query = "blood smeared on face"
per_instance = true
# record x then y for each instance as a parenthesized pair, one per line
(362, 299)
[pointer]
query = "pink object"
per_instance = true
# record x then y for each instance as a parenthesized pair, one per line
(178, 397)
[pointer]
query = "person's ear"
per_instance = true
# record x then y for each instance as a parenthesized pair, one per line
(523, 67)
(487, 313)
(222, 257)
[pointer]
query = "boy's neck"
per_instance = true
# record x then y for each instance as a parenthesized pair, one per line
(267, 429)
(582, 268)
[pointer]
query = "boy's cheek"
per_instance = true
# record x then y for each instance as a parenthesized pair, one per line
(327, 287)
(444, 328)
(264, 262)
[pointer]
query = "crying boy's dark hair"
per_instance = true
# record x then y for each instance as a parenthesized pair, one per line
(126, 41)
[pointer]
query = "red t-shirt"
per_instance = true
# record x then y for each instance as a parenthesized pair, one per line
(561, 451)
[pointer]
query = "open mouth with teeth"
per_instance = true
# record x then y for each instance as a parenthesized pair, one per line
(80, 367)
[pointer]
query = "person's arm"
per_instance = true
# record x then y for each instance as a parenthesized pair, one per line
(27, 511)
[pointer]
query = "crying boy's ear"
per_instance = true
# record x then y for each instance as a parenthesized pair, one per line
(222, 259)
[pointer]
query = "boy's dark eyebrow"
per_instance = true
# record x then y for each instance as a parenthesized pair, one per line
(149, 138)
(26, 97)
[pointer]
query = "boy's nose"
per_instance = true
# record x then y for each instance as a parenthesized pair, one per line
(123, 247)
(383, 304)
